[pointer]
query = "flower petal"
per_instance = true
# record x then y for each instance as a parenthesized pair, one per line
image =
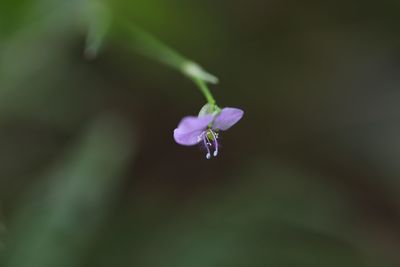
(190, 128)
(227, 118)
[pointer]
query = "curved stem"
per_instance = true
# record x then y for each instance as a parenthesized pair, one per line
(148, 45)
(206, 92)
(153, 48)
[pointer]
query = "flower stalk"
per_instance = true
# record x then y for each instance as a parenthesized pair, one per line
(206, 92)
(151, 47)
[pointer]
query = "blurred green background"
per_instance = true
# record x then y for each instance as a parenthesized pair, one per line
(91, 176)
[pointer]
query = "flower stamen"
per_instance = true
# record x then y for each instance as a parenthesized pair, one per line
(206, 144)
(215, 136)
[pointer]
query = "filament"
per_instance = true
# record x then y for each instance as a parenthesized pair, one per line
(215, 143)
(206, 143)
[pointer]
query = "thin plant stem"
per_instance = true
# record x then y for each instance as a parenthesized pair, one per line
(151, 47)
(206, 92)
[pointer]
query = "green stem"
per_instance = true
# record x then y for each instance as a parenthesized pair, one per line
(148, 45)
(206, 92)
(151, 47)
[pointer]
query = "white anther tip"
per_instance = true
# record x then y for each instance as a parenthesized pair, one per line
(208, 156)
(215, 153)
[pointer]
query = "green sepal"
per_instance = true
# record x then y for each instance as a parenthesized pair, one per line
(209, 109)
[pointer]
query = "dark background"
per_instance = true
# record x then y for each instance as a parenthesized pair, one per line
(90, 174)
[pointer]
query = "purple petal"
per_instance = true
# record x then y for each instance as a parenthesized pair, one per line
(190, 128)
(227, 118)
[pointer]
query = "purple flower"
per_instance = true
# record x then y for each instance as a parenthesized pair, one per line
(206, 127)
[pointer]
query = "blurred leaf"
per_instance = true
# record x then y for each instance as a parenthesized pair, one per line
(275, 215)
(57, 222)
(271, 217)
(12, 14)
(99, 19)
